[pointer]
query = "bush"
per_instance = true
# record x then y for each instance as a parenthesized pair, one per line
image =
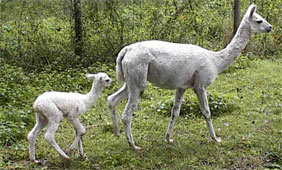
(242, 62)
(34, 36)
(15, 98)
(219, 104)
(12, 126)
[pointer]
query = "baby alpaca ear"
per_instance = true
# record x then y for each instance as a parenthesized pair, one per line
(253, 10)
(91, 76)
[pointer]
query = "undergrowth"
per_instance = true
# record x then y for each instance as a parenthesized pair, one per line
(245, 106)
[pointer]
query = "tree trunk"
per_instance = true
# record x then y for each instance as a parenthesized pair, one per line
(78, 27)
(236, 16)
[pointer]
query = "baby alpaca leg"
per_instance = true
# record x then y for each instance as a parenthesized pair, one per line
(80, 148)
(33, 134)
(53, 124)
(80, 131)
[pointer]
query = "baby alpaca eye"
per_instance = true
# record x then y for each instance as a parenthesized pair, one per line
(259, 21)
(107, 80)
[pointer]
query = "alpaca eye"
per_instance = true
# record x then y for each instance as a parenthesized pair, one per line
(107, 80)
(259, 21)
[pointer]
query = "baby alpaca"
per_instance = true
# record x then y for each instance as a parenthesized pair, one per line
(51, 107)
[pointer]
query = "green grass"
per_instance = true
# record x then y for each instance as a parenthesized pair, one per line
(251, 131)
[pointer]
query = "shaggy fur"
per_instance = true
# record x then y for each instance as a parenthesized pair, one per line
(176, 66)
(51, 107)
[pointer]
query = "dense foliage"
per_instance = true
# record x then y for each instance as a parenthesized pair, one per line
(39, 33)
(245, 104)
(37, 54)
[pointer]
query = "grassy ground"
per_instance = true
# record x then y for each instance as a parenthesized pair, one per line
(251, 131)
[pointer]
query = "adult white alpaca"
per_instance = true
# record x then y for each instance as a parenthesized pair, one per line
(51, 107)
(176, 66)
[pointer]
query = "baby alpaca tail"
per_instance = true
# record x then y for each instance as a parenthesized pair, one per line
(119, 71)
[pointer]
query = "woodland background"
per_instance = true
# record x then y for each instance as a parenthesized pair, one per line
(50, 45)
(36, 34)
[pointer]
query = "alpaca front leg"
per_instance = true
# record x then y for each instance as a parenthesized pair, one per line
(204, 106)
(179, 94)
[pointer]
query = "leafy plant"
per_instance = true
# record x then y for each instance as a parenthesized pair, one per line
(219, 105)
(34, 36)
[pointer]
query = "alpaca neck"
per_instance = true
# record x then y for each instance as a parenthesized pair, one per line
(93, 94)
(226, 56)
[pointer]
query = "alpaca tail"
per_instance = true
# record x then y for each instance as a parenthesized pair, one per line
(119, 71)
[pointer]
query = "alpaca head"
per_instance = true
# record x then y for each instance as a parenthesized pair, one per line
(257, 23)
(101, 78)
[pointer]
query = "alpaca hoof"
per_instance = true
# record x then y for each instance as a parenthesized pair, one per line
(137, 148)
(116, 133)
(36, 161)
(218, 140)
(66, 157)
(41, 161)
(170, 141)
(83, 156)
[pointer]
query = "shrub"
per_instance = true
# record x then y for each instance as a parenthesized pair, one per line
(219, 104)
(242, 62)
(15, 101)
(34, 36)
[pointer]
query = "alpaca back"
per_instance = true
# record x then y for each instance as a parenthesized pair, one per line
(65, 102)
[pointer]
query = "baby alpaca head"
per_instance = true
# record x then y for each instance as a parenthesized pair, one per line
(101, 78)
(258, 24)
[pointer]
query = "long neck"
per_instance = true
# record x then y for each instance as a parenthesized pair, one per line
(226, 56)
(93, 94)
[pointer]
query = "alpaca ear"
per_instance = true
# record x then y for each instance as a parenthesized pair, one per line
(253, 10)
(91, 76)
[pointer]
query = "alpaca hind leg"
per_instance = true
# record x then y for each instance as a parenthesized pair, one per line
(113, 100)
(133, 100)
(53, 124)
(179, 94)
(80, 131)
(135, 73)
(33, 134)
(80, 148)
(204, 106)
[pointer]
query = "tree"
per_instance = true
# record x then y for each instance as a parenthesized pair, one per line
(236, 16)
(78, 27)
